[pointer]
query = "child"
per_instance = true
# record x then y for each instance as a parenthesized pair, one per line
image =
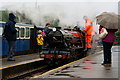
(40, 40)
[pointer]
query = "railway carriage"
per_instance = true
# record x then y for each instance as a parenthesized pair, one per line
(24, 40)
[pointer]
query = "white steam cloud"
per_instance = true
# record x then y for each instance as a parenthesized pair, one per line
(69, 13)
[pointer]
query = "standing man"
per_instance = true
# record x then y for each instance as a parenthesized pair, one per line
(46, 31)
(88, 30)
(10, 35)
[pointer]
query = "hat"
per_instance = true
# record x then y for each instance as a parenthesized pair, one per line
(39, 31)
(84, 17)
(12, 16)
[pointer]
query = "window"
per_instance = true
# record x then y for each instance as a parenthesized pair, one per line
(22, 32)
(2, 26)
(27, 32)
(1, 30)
(17, 32)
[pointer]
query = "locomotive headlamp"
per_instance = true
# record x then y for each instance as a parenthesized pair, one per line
(59, 56)
(54, 29)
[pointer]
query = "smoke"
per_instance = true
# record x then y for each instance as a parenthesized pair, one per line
(69, 13)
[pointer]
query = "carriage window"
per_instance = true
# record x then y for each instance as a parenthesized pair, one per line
(1, 30)
(17, 32)
(22, 32)
(27, 32)
(2, 26)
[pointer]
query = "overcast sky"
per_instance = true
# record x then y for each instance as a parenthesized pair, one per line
(60, 0)
(55, 1)
(66, 10)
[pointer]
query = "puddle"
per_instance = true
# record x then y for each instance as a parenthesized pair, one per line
(54, 73)
(74, 66)
(68, 75)
(66, 67)
(108, 69)
(51, 74)
(66, 71)
(87, 68)
(83, 62)
(87, 60)
(57, 71)
(91, 62)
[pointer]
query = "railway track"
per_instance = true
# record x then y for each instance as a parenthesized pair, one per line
(16, 71)
(26, 71)
(37, 71)
(31, 73)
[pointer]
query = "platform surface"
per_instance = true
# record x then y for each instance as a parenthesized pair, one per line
(22, 59)
(89, 67)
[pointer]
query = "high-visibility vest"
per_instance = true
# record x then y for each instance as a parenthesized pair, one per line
(89, 32)
(88, 41)
(40, 39)
(88, 27)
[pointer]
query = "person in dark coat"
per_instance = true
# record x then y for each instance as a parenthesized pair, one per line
(46, 31)
(10, 35)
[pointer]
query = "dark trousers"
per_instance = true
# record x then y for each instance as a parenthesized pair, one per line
(40, 48)
(11, 45)
(107, 52)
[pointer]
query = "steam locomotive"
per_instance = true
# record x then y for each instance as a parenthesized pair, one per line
(63, 45)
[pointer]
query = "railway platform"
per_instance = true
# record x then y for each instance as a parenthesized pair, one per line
(19, 60)
(21, 64)
(88, 68)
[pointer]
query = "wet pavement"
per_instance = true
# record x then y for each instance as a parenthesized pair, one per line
(22, 59)
(89, 67)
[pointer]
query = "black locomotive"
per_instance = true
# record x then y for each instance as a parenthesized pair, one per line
(63, 45)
